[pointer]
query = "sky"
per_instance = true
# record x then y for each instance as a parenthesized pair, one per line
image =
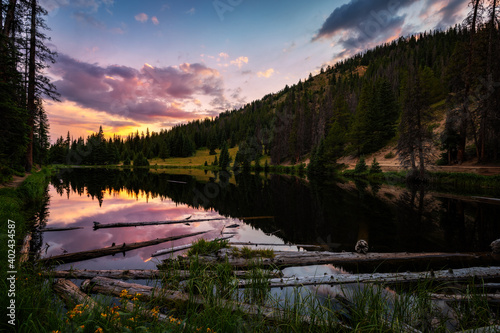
(153, 64)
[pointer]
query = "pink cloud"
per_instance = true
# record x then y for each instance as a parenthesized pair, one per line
(142, 17)
(146, 95)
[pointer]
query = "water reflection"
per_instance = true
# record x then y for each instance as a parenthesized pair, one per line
(331, 215)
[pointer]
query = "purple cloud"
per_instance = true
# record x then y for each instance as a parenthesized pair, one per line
(145, 95)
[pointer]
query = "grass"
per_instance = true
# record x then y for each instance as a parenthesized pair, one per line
(203, 247)
(247, 253)
(198, 159)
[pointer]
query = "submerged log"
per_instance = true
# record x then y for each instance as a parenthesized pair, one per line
(256, 218)
(185, 247)
(273, 245)
(134, 274)
(98, 225)
(59, 229)
(458, 275)
(361, 262)
(146, 293)
(86, 255)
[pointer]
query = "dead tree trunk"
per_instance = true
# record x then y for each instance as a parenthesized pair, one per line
(459, 275)
(114, 288)
(135, 274)
(86, 255)
(98, 225)
(360, 262)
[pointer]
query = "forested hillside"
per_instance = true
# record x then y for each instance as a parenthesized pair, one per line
(355, 107)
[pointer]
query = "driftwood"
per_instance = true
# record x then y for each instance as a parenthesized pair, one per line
(134, 274)
(86, 255)
(273, 245)
(72, 295)
(489, 329)
(114, 288)
(98, 225)
(185, 247)
(465, 274)
(59, 229)
(25, 250)
(361, 262)
(461, 297)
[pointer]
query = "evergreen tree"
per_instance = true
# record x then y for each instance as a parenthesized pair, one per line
(225, 159)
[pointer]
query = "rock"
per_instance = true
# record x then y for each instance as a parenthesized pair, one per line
(361, 246)
(495, 246)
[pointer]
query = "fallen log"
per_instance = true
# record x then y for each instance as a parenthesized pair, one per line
(459, 275)
(98, 225)
(134, 274)
(361, 262)
(272, 244)
(461, 297)
(489, 329)
(184, 247)
(25, 250)
(48, 229)
(86, 255)
(72, 296)
(114, 288)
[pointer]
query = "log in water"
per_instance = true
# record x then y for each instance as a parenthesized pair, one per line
(458, 275)
(86, 255)
(360, 261)
(98, 225)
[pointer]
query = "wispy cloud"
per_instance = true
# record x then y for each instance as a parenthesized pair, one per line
(192, 11)
(267, 74)
(240, 61)
(155, 21)
(142, 17)
(89, 20)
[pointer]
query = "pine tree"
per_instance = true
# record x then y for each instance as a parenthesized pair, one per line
(225, 159)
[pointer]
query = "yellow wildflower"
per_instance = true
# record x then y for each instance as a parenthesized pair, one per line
(104, 315)
(99, 330)
(82, 327)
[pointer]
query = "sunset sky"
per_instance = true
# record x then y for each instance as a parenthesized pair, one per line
(129, 65)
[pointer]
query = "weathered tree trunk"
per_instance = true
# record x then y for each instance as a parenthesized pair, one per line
(461, 297)
(185, 247)
(98, 225)
(134, 274)
(71, 295)
(25, 250)
(59, 229)
(359, 262)
(459, 275)
(114, 288)
(86, 255)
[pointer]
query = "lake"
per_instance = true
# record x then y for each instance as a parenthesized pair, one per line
(332, 215)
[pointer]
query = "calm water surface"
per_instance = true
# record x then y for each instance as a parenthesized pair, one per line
(332, 216)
